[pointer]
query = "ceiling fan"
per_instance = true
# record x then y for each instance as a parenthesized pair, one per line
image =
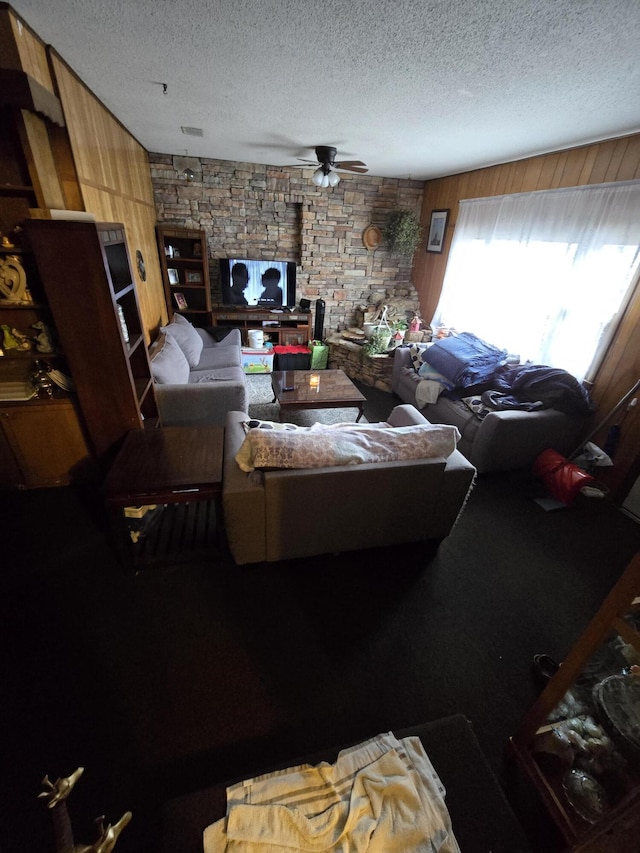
(326, 175)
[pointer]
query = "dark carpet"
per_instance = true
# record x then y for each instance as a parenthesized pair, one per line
(183, 676)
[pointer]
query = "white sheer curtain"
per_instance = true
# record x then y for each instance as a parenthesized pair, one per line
(544, 274)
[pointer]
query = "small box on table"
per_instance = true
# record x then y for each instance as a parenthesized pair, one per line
(257, 360)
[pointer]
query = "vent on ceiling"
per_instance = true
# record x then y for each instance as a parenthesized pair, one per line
(192, 131)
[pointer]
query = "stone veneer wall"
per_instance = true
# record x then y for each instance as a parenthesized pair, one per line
(255, 211)
(375, 370)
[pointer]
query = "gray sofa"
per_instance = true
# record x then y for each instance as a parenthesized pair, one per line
(292, 513)
(198, 379)
(502, 440)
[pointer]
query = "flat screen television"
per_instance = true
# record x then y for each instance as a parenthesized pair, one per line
(263, 284)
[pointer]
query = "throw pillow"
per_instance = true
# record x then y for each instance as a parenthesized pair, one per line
(476, 405)
(416, 352)
(187, 337)
(168, 363)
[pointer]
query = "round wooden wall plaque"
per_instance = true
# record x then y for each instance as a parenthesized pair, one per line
(372, 237)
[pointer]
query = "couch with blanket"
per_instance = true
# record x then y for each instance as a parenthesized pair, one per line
(197, 374)
(292, 492)
(481, 817)
(507, 413)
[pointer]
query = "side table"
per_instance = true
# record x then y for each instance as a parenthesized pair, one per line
(172, 466)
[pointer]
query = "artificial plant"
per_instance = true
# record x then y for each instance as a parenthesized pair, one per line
(402, 232)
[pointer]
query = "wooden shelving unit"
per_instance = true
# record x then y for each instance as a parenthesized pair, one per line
(607, 648)
(283, 328)
(86, 272)
(185, 272)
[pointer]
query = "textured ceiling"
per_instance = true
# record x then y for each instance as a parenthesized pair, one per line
(415, 88)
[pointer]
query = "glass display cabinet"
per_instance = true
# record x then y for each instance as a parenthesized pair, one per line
(580, 742)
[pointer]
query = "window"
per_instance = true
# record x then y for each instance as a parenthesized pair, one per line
(544, 275)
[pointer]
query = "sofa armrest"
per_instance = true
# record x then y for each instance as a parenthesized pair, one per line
(508, 440)
(457, 483)
(458, 480)
(401, 360)
(198, 404)
(243, 500)
(406, 415)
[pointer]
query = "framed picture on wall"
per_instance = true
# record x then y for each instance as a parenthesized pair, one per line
(437, 227)
(181, 302)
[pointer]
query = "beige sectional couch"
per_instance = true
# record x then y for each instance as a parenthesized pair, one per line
(296, 512)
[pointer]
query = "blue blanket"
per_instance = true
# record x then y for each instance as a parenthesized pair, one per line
(539, 386)
(465, 359)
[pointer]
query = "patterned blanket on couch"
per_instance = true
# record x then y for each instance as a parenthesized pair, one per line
(343, 444)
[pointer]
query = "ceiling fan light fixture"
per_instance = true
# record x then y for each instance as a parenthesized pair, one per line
(324, 176)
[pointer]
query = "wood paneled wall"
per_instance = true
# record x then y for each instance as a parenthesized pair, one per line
(24, 51)
(93, 164)
(115, 182)
(614, 160)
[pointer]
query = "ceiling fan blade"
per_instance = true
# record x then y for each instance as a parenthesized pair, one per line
(346, 168)
(313, 162)
(345, 164)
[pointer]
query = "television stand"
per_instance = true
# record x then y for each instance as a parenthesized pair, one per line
(286, 328)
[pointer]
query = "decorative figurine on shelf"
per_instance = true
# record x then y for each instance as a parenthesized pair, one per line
(41, 380)
(56, 794)
(8, 339)
(7, 244)
(22, 340)
(43, 338)
(13, 281)
(415, 324)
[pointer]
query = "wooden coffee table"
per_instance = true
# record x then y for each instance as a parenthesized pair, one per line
(334, 391)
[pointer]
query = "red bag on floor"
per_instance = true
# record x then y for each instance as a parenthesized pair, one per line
(562, 478)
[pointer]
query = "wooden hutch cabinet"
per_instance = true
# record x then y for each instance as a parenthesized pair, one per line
(86, 273)
(580, 742)
(42, 441)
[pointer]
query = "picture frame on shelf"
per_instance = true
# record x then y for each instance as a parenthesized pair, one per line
(193, 277)
(181, 302)
(437, 229)
(197, 250)
(173, 276)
